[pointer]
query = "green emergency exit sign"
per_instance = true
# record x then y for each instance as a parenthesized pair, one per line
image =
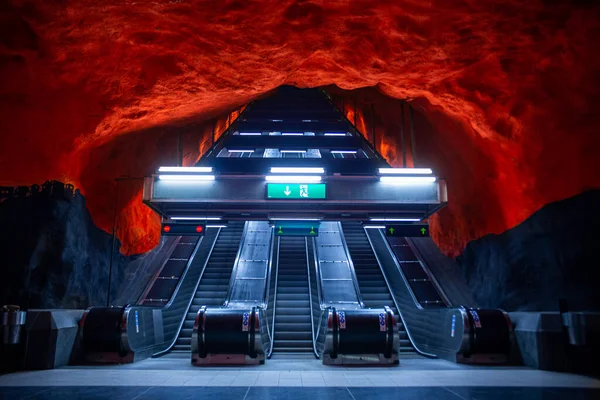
(296, 191)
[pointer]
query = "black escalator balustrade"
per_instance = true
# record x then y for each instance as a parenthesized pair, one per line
(421, 284)
(293, 329)
(161, 289)
(373, 287)
(214, 283)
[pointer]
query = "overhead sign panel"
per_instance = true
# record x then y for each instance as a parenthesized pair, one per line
(296, 191)
(412, 230)
(183, 229)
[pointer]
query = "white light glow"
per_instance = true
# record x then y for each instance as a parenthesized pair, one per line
(196, 178)
(374, 226)
(297, 170)
(343, 151)
(293, 178)
(307, 120)
(405, 171)
(292, 134)
(335, 134)
(292, 151)
(196, 218)
(216, 226)
(294, 219)
(395, 219)
(407, 180)
(240, 151)
(250, 134)
(185, 169)
(277, 120)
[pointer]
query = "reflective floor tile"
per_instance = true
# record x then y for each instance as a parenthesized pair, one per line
(293, 393)
(212, 393)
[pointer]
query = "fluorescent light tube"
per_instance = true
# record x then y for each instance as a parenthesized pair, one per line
(297, 170)
(292, 151)
(292, 134)
(374, 226)
(395, 219)
(186, 177)
(294, 219)
(405, 171)
(196, 218)
(334, 134)
(343, 151)
(240, 151)
(250, 134)
(407, 180)
(185, 169)
(293, 178)
(216, 226)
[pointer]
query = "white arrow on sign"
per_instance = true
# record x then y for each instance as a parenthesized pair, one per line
(287, 191)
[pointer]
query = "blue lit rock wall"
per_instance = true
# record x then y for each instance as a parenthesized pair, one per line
(553, 254)
(51, 253)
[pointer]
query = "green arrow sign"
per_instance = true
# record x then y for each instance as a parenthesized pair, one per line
(407, 230)
(296, 191)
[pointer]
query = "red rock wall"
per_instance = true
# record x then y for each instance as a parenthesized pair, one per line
(506, 93)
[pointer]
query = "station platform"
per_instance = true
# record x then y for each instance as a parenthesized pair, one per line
(296, 377)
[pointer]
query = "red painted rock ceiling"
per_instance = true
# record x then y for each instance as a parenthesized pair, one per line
(505, 93)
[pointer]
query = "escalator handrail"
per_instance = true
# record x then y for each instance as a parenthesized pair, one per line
(236, 264)
(183, 317)
(427, 271)
(406, 328)
(274, 300)
(318, 275)
(312, 322)
(351, 265)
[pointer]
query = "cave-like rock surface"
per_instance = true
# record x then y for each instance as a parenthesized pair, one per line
(552, 255)
(505, 92)
(51, 253)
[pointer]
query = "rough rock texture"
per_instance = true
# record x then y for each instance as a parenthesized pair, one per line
(551, 255)
(53, 256)
(507, 91)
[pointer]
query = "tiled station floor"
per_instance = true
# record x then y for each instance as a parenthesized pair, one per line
(296, 378)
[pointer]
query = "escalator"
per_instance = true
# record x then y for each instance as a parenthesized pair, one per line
(373, 286)
(293, 329)
(214, 283)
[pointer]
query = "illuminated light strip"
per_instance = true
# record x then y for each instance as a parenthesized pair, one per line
(240, 151)
(292, 151)
(374, 226)
(292, 134)
(395, 219)
(294, 219)
(407, 180)
(216, 226)
(293, 178)
(343, 151)
(277, 120)
(335, 134)
(196, 218)
(405, 171)
(196, 178)
(185, 169)
(297, 170)
(250, 134)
